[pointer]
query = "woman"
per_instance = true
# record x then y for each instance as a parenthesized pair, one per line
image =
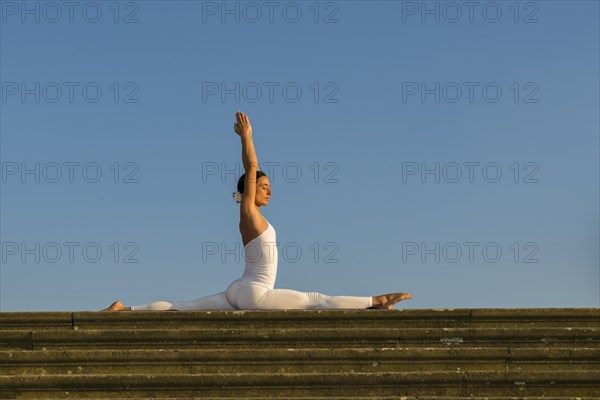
(255, 289)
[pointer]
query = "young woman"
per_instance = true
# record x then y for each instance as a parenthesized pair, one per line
(255, 289)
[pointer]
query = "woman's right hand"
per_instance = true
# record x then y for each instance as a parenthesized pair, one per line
(242, 126)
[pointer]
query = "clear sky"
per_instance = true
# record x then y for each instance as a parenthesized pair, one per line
(445, 149)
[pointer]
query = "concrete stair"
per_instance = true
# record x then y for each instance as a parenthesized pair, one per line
(494, 354)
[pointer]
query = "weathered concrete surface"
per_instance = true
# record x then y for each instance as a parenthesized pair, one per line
(420, 354)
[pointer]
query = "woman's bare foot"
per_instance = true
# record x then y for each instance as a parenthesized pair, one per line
(117, 306)
(389, 300)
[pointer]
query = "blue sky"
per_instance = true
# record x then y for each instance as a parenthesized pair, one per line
(426, 147)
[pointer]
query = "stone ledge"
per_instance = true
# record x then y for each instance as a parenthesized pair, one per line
(71, 318)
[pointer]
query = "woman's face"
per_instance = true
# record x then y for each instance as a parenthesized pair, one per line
(263, 191)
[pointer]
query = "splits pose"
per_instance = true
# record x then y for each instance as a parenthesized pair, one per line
(255, 289)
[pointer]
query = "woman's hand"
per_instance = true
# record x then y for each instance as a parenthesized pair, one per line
(242, 126)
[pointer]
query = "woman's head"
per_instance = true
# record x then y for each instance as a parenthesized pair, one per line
(263, 188)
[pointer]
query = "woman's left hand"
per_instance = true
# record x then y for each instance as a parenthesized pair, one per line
(242, 127)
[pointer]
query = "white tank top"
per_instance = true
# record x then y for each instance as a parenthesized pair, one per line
(261, 259)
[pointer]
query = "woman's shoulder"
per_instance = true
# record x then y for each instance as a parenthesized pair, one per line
(253, 220)
(251, 226)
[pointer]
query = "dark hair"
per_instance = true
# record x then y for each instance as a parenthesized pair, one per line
(242, 180)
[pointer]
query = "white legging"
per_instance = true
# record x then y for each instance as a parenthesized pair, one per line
(213, 302)
(242, 295)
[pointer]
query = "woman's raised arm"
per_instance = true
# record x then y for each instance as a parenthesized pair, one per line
(243, 128)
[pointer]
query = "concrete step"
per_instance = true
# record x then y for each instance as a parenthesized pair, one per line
(191, 396)
(355, 354)
(328, 319)
(301, 360)
(270, 337)
(554, 383)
